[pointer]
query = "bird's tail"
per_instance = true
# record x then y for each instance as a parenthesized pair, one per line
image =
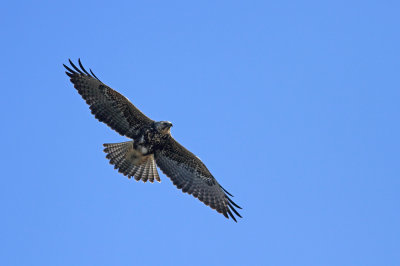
(131, 162)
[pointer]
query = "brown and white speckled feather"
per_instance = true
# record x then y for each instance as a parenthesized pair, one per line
(188, 173)
(130, 162)
(108, 105)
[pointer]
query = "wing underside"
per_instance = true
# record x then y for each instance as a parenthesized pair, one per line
(106, 104)
(190, 175)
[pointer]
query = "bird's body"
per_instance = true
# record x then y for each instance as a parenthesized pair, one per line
(151, 144)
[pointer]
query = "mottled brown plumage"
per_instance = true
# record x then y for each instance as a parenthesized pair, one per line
(152, 144)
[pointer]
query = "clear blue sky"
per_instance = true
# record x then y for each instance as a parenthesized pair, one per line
(292, 105)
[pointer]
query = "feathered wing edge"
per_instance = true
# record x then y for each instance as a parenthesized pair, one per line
(230, 203)
(200, 185)
(71, 72)
(107, 105)
(230, 208)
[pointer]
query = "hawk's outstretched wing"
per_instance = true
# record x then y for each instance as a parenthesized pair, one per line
(188, 173)
(107, 105)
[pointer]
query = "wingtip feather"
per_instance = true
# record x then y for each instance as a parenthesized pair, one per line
(234, 204)
(231, 215)
(76, 68)
(233, 209)
(81, 66)
(226, 191)
(94, 74)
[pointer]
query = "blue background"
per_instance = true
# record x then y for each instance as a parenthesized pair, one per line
(292, 105)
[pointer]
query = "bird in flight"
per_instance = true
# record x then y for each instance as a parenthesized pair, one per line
(151, 144)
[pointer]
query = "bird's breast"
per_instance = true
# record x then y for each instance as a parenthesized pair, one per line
(147, 141)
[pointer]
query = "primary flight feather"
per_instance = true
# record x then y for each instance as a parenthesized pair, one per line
(152, 144)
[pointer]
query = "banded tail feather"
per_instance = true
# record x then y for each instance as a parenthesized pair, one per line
(131, 162)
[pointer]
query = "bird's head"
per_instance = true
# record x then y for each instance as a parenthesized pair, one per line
(163, 127)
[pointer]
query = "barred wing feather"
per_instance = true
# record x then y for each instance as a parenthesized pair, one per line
(189, 174)
(106, 104)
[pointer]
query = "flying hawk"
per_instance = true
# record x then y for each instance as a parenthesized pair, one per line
(152, 144)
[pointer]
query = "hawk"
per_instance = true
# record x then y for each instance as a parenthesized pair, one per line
(151, 144)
